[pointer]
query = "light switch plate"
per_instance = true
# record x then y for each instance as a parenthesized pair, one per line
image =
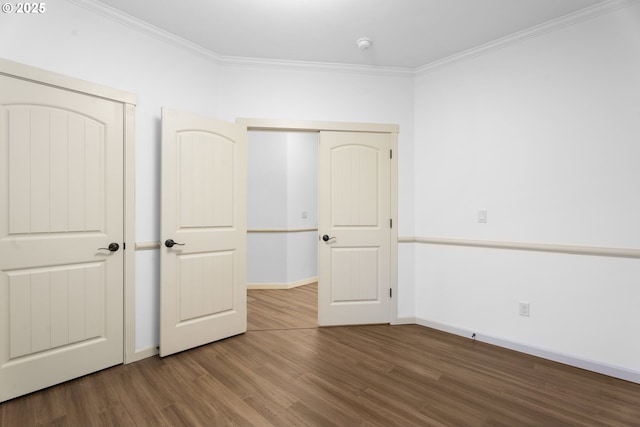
(523, 309)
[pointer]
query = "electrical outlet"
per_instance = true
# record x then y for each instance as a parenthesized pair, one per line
(482, 217)
(523, 309)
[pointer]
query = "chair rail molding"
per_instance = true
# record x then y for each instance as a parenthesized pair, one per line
(525, 246)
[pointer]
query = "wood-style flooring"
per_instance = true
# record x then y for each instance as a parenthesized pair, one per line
(287, 372)
(295, 308)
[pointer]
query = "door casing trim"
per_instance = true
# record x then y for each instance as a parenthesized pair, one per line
(318, 126)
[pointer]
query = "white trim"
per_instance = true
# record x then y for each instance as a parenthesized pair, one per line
(129, 234)
(315, 126)
(146, 28)
(567, 359)
(146, 246)
(410, 320)
(281, 230)
(281, 64)
(529, 33)
(393, 215)
(289, 285)
(153, 245)
(525, 246)
(143, 353)
(49, 78)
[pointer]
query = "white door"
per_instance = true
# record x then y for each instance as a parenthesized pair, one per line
(203, 274)
(354, 228)
(61, 200)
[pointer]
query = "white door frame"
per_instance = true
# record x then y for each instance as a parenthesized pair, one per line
(37, 75)
(317, 126)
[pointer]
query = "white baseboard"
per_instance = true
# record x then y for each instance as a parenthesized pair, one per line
(289, 285)
(589, 365)
(143, 353)
(404, 321)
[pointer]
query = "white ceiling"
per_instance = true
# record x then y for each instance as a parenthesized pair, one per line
(405, 33)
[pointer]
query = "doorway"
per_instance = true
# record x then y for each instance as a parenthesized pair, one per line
(381, 157)
(282, 203)
(282, 224)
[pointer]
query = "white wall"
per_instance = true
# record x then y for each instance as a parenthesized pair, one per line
(302, 205)
(543, 135)
(267, 180)
(267, 207)
(302, 179)
(267, 258)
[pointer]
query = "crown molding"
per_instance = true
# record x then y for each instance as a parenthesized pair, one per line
(146, 28)
(316, 66)
(232, 61)
(529, 33)
(141, 26)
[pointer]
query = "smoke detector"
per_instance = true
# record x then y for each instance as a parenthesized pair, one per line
(364, 43)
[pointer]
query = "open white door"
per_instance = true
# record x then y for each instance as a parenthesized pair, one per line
(354, 267)
(61, 235)
(203, 274)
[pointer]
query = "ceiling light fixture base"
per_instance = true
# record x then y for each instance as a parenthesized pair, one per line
(364, 43)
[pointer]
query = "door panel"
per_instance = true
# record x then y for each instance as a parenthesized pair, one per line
(202, 284)
(61, 198)
(205, 174)
(354, 274)
(354, 185)
(355, 212)
(54, 307)
(203, 281)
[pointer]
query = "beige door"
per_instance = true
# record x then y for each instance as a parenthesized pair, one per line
(61, 200)
(203, 275)
(354, 228)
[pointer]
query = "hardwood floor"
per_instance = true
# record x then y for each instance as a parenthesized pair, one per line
(288, 373)
(294, 308)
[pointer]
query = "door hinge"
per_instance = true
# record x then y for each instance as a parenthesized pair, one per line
(390, 222)
(390, 293)
(391, 154)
